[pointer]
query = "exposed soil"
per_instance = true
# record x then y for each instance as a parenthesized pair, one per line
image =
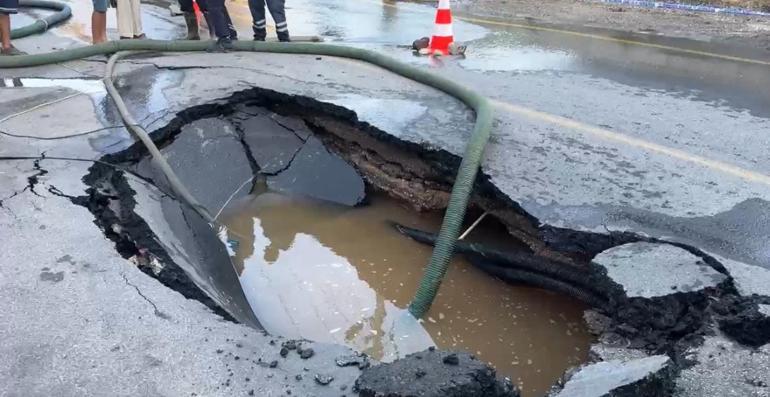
(753, 32)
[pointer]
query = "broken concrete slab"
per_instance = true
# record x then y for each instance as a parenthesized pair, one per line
(433, 373)
(180, 250)
(649, 377)
(748, 279)
(272, 145)
(318, 173)
(607, 352)
(649, 270)
(209, 159)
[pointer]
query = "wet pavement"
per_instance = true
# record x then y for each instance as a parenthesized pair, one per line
(597, 134)
(590, 135)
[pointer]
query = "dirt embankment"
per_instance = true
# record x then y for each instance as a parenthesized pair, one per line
(749, 31)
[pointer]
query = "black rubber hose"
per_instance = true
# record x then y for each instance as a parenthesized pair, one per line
(514, 275)
(63, 13)
(520, 267)
(515, 260)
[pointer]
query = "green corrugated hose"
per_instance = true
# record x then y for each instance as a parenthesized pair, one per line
(63, 13)
(450, 229)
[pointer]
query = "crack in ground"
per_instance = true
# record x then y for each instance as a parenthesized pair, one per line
(8, 198)
(288, 163)
(158, 313)
(292, 130)
(190, 67)
(33, 180)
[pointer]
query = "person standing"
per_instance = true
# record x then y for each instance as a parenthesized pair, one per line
(191, 19)
(99, 22)
(7, 7)
(277, 11)
(222, 25)
(129, 19)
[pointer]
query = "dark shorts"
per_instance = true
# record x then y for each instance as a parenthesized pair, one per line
(99, 5)
(9, 6)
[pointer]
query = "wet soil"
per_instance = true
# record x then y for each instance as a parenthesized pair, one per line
(343, 274)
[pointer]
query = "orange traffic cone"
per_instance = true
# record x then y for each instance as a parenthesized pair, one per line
(442, 34)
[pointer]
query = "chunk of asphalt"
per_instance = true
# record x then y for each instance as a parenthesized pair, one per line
(323, 379)
(272, 145)
(361, 360)
(289, 344)
(748, 279)
(316, 172)
(451, 359)
(649, 377)
(426, 374)
(305, 353)
(209, 159)
(649, 270)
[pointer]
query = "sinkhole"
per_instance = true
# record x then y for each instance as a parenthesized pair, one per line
(307, 198)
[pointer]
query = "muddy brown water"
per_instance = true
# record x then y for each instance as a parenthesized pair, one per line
(331, 273)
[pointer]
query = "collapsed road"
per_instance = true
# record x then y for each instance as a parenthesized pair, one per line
(636, 322)
(697, 331)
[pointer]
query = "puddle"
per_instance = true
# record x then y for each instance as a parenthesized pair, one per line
(86, 86)
(340, 274)
(505, 51)
(385, 114)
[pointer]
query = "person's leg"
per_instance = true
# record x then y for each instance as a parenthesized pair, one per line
(99, 22)
(217, 15)
(229, 23)
(203, 5)
(278, 11)
(7, 7)
(190, 19)
(136, 12)
(257, 8)
(5, 30)
(125, 23)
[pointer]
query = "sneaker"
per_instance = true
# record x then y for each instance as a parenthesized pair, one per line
(222, 45)
(12, 51)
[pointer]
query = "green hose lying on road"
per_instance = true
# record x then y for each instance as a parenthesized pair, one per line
(63, 13)
(466, 176)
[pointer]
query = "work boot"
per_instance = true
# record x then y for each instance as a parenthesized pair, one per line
(192, 25)
(284, 36)
(260, 34)
(223, 44)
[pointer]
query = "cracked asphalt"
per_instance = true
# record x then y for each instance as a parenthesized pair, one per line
(588, 136)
